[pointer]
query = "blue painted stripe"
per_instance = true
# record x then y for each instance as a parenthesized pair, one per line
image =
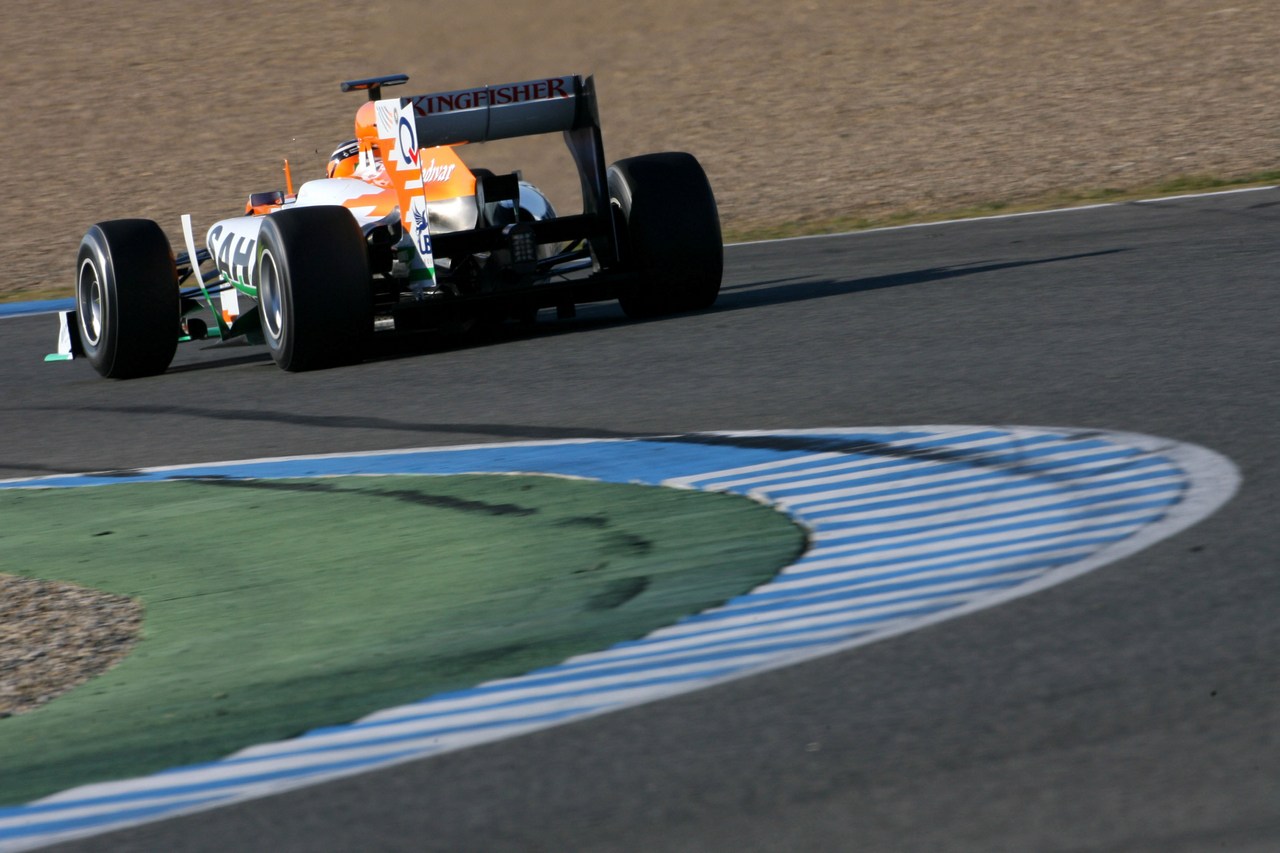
(807, 630)
(745, 606)
(992, 482)
(932, 575)
(825, 551)
(387, 740)
(1011, 524)
(560, 675)
(785, 584)
(114, 817)
(866, 542)
(991, 495)
(882, 452)
(939, 489)
(610, 665)
(426, 705)
(630, 461)
(854, 606)
(178, 791)
(1013, 456)
(514, 685)
(44, 306)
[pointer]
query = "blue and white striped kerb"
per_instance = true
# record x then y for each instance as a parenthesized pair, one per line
(907, 526)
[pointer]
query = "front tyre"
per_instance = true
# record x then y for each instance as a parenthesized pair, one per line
(314, 292)
(670, 234)
(127, 298)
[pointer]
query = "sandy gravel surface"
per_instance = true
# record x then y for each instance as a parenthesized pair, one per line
(800, 112)
(54, 636)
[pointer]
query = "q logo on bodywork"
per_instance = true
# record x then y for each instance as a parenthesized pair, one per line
(409, 146)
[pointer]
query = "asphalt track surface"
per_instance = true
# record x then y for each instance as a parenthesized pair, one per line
(1134, 708)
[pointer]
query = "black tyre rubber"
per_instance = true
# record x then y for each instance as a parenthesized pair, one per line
(127, 298)
(314, 292)
(671, 233)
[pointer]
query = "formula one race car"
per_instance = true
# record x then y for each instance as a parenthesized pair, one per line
(402, 235)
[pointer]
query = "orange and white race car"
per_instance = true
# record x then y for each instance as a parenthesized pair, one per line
(402, 235)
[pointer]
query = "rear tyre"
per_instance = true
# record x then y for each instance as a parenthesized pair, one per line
(314, 292)
(670, 234)
(127, 298)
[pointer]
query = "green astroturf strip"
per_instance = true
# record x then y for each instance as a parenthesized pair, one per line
(275, 606)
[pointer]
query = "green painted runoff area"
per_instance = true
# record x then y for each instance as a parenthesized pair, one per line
(276, 606)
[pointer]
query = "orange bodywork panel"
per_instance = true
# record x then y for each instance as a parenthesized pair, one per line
(377, 203)
(441, 171)
(444, 175)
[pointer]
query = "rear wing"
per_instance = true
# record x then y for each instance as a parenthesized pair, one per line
(487, 113)
(567, 104)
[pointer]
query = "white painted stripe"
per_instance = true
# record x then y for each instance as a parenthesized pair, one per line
(905, 471)
(1023, 498)
(800, 628)
(868, 460)
(923, 469)
(965, 591)
(794, 462)
(997, 496)
(884, 616)
(959, 533)
(851, 580)
(923, 567)
(622, 694)
(36, 817)
(810, 565)
(956, 481)
(1027, 510)
(410, 719)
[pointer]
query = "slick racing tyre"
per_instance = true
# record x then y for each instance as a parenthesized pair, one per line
(670, 234)
(127, 298)
(314, 294)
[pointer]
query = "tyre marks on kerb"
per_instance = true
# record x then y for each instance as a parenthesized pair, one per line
(908, 526)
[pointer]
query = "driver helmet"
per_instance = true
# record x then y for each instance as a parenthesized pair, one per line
(344, 160)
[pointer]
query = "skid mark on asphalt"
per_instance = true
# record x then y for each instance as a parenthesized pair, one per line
(908, 526)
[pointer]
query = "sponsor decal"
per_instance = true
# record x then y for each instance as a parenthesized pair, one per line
(345, 150)
(492, 96)
(388, 115)
(421, 233)
(234, 255)
(433, 174)
(422, 269)
(407, 142)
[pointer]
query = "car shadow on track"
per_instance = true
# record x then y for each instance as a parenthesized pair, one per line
(733, 297)
(781, 291)
(260, 356)
(509, 432)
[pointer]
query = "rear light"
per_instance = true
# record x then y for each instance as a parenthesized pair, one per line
(523, 245)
